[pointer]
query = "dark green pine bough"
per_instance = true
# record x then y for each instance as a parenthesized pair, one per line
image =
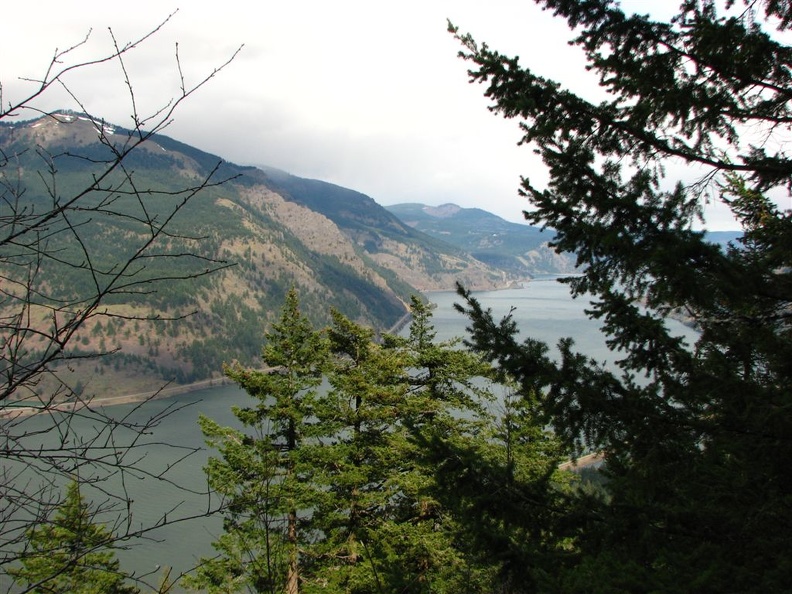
(340, 489)
(698, 438)
(402, 477)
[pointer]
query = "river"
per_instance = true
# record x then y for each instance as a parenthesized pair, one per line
(544, 310)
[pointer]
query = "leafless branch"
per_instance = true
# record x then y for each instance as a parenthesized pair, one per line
(51, 432)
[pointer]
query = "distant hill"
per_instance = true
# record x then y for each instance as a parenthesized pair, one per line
(519, 249)
(724, 238)
(338, 247)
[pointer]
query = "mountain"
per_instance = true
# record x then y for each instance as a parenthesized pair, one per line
(724, 238)
(521, 250)
(338, 247)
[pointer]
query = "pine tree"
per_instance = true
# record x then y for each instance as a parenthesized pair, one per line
(386, 530)
(696, 438)
(268, 489)
(447, 398)
(445, 380)
(492, 468)
(360, 465)
(71, 554)
(327, 492)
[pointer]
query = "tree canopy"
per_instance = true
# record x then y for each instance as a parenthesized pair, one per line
(71, 553)
(695, 437)
(334, 488)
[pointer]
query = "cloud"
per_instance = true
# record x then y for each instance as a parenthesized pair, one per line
(368, 95)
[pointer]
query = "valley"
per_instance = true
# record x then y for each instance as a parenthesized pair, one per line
(261, 229)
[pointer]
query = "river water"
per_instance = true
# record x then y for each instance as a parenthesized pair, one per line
(544, 310)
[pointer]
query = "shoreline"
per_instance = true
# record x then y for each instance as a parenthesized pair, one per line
(10, 411)
(16, 410)
(164, 392)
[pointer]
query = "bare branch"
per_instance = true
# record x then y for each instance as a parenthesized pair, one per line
(51, 431)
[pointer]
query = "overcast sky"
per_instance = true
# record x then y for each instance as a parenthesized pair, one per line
(367, 95)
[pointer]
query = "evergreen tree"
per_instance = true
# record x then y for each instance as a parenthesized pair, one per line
(269, 490)
(696, 439)
(447, 398)
(386, 530)
(493, 471)
(360, 466)
(338, 492)
(449, 385)
(508, 499)
(71, 554)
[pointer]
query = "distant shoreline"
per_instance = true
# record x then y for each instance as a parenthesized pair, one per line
(14, 411)
(165, 392)
(10, 411)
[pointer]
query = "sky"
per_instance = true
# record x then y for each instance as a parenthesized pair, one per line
(368, 95)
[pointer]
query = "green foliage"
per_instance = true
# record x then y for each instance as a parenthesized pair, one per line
(696, 438)
(71, 554)
(363, 462)
(251, 552)
(331, 488)
(494, 469)
(260, 473)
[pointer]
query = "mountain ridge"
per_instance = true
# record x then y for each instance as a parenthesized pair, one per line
(338, 247)
(522, 250)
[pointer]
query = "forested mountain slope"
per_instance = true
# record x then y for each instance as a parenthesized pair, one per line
(336, 246)
(520, 249)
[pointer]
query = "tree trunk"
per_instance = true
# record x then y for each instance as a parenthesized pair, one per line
(293, 573)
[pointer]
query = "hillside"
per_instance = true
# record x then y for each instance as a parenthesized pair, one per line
(521, 250)
(336, 246)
